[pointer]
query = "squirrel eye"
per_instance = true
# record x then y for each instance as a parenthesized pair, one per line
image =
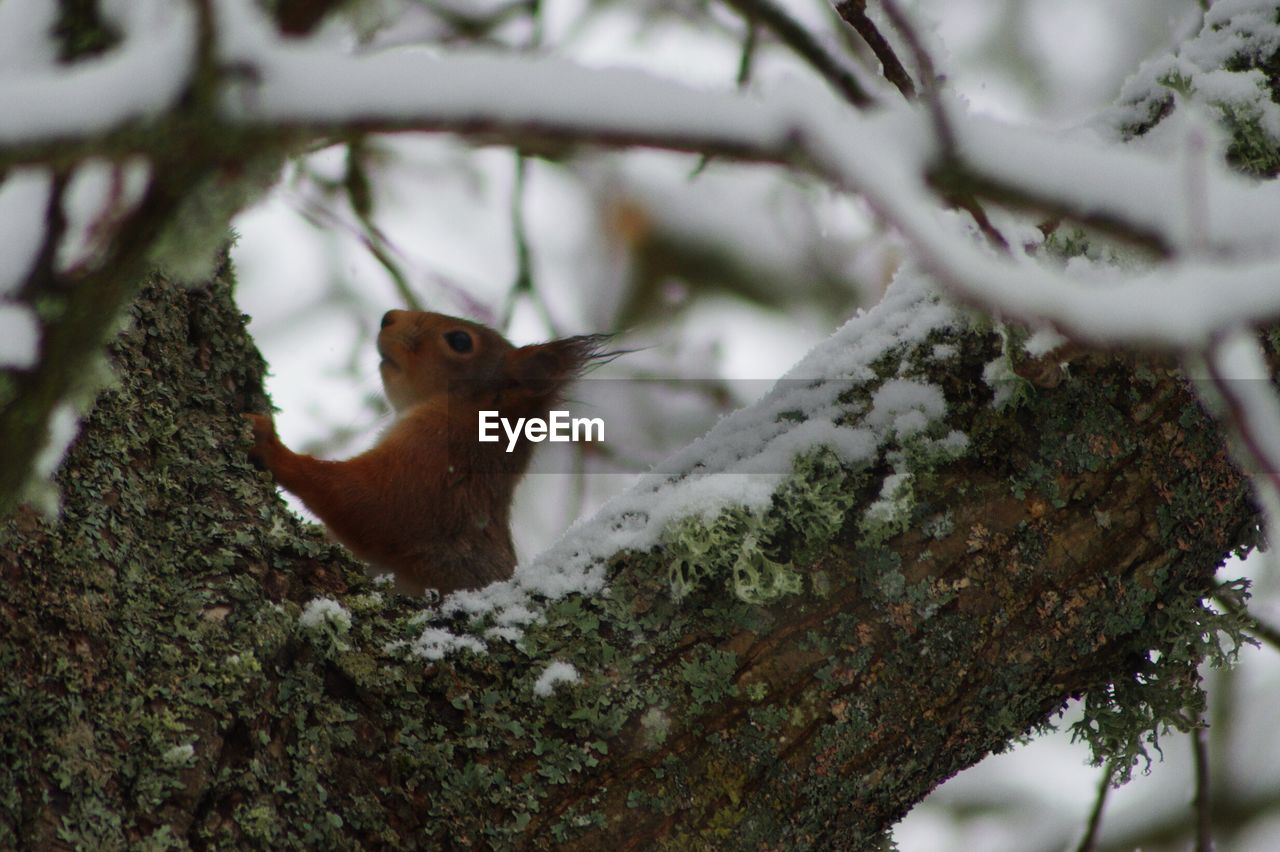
(459, 341)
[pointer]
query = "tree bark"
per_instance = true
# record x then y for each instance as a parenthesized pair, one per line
(160, 691)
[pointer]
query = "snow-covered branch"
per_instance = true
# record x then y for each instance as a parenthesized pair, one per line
(1214, 269)
(46, 103)
(886, 156)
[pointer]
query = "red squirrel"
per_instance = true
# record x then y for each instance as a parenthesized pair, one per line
(429, 502)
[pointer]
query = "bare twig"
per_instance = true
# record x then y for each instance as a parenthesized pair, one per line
(1237, 416)
(523, 284)
(69, 340)
(369, 236)
(957, 179)
(1233, 815)
(928, 76)
(1259, 630)
(361, 198)
(1201, 803)
(746, 62)
(43, 275)
(854, 13)
(1089, 843)
(802, 42)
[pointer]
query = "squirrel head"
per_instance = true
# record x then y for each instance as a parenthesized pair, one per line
(427, 356)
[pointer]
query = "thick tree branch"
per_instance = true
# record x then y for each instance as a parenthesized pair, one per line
(816, 720)
(164, 688)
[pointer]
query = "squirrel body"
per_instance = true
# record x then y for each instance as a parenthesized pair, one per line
(429, 502)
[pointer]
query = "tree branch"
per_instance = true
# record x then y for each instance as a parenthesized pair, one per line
(830, 66)
(854, 13)
(797, 722)
(1203, 801)
(1089, 843)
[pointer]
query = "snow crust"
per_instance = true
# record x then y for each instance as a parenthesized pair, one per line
(1223, 279)
(1220, 228)
(1231, 28)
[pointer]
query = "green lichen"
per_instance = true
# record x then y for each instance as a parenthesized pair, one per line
(188, 248)
(890, 515)
(733, 547)
(1124, 717)
(722, 714)
(752, 552)
(1065, 243)
(740, 547)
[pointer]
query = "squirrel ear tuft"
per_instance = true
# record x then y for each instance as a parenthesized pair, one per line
(544, 368)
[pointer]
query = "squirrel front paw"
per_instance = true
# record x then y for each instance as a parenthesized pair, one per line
(264, 437)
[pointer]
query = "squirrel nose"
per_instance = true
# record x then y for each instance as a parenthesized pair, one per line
(388, 318)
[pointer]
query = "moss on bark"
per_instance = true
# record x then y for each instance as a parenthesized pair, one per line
(161, 691)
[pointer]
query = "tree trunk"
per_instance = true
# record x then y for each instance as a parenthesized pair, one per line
(161, 692)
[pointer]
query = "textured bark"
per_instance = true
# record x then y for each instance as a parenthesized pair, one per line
(1081, 531)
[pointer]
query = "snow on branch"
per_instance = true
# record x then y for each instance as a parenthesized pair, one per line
(1219, 277)
(1215, 271)
(886, 156)
(141, 79)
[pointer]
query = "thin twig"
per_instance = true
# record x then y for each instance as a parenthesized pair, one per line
(1237, 416)
(1259, 630)
(43, 276)
(950, 156)
(1201, 803)
(746, 62)
(854, 13)
(523, 285)
(1089, 843)
(803, 43)
(928, 76)
(360, 195)
(369, 236)
(380, 249)
(535, 16)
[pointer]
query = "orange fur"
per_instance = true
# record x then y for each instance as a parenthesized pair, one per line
(429, 502)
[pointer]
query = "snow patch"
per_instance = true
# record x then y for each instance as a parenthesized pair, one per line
(141, 77)
(553, 675)
(322, 613)
(23, 196)
(19, 336)
(435, 643)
